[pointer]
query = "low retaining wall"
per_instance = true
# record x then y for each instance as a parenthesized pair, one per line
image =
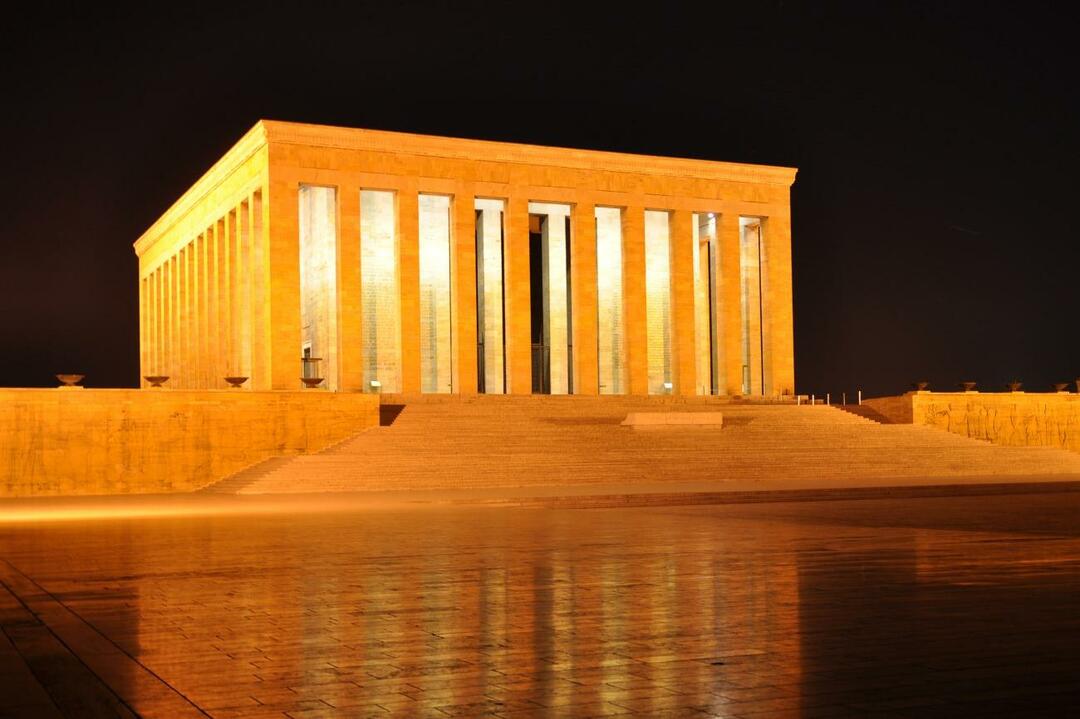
(1018, 419)
(119, 441)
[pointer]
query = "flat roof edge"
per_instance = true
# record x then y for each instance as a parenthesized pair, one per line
(296, 133)
(251, 142)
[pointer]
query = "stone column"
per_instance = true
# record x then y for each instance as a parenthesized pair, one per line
(260, 293)
(583, 297)
(212, 239)
(202, 296)
(185, 318)
(167, 303)
(408, 227)
(244, 359)
(144, 327)
(225, 247)
(636, 323)
(729, 301)
(779, 333)
(350, 299)
(236, 237)
(283, 304)
(463, 290)
(683, 328)
(517, 316)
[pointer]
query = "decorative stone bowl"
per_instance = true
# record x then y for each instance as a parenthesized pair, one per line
(1061, 386)
(156, 380)
(1015, 386)
(236, 381)
(968, 386)
(921, 386)
(311, 382)
(70, 380)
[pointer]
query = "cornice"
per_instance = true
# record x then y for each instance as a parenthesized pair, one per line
(291, 133)
(252, 141)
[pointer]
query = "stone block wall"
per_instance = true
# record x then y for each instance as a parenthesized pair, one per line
(116, 441)
(1016, 419)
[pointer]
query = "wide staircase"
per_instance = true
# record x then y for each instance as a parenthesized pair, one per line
(487, 442)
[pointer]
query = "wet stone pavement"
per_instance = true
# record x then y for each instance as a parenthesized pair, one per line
(943, 607)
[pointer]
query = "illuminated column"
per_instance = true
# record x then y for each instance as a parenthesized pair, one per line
(166, 367)
(409, 279)
(174, 320)
(282, 227)
(192, 288)
(160, 367)
(518, 318)
(243, 368)
(350, 331)
(683, 359)
(211, 240)
(144, 327)
(198, 361)
(583, 298)
(219, 325)
(463, 292)
(235, 298)
(636, 323)
(779, 334)
(260, 294)
(207, 358)
(730, 301)
(225, 246)
(182, 355)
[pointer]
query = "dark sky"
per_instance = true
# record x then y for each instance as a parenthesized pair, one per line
(934, 210)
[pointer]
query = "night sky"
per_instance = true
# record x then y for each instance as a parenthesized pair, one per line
(934, 226)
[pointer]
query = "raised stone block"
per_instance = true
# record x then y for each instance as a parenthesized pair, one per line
(672, 419)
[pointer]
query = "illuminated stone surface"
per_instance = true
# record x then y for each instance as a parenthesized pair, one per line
(107, 441)
(885, 608)
(222, 282)
(1014, 419)
(564, 443)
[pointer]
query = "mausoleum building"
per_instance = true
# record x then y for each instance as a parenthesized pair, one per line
(398, 263)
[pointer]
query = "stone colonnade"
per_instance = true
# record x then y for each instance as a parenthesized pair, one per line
(220, 272)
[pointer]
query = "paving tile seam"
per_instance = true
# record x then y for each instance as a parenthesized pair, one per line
(50, 597)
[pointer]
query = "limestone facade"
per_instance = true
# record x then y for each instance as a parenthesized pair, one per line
(120, 441)
(1013, 419)
(410, 263)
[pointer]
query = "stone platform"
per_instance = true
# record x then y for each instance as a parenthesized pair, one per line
(519, 447)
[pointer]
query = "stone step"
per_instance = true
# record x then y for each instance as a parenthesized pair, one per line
(528, 441)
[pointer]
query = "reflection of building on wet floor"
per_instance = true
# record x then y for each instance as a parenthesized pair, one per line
(489, 442)
(939, 607)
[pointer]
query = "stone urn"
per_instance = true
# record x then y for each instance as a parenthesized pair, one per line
(968, 386)
(156, 380)
(70, 380)
(1061, 386)
(311, 382)
(236, 381)
(1015, 385)
(921, 386)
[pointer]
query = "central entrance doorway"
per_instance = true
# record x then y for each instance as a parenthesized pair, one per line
(550, 308)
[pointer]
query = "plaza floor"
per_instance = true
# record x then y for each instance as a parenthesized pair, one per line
(914, 607)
